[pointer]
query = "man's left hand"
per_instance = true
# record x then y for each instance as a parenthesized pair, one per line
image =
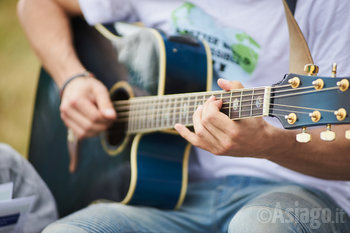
(218, 134)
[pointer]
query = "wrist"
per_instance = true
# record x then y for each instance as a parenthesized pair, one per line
(281, 142)
(84, 74)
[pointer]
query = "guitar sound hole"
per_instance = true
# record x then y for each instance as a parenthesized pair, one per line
(117, 131)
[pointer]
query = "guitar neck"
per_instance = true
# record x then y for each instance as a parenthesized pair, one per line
(153, 113)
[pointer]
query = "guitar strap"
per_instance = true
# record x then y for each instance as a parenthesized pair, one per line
(299, 52)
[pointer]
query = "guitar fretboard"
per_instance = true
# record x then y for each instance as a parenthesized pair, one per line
(154, 113)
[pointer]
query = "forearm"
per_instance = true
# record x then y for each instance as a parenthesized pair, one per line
(328, 160)
(47, 26)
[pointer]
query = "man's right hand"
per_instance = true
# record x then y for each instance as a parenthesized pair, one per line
(86, 107)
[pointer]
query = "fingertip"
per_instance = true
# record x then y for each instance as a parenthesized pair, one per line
(178, 127)
(224, 84)
(218, 103)
(212, 98)
(109, 113)
(221, 80)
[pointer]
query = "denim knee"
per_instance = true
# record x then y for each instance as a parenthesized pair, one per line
(61, 227)
(95, 218)
(264, 219)
(290, 209)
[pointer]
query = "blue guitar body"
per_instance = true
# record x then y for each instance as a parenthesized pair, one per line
(157, 174)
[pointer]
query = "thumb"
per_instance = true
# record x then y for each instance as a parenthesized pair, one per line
(104, 103)
(229, 85)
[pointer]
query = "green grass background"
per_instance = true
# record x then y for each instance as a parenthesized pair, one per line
(19, 70)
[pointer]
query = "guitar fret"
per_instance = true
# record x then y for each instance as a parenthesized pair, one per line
(187, 109)
(159, 111)
(246, 100)
(258, 103)
(139, 117)
(251, 103)
(240, 104)
(146, 115)
(192, 108)
(168, 113)
(163, 114)
(226, 106)
(154, 113)
(143, 119)
(195, 103)
(181, 106)
(230, 105)
(149, 116)
(131, 118)
(174, 111)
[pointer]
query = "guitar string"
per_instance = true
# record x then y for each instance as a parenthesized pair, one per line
(184, 95)
(190, 106)
(160, 115)
(201, 94)
(210, 93)
(190, 101)
(172, 119)
(166, 113)
(144, 125)
(221, 93)
(175, 118)
(174, 115)
(136, 120)
(229, 103)
(162, 127)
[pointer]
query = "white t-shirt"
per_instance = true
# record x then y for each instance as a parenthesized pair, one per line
(250, 43)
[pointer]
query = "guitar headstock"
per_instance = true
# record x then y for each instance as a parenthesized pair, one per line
(300, 101)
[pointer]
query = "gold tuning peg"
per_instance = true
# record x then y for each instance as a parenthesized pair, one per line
(334, 70)
(311, 69)
(303, 137)
(328, 135)
(347, 134)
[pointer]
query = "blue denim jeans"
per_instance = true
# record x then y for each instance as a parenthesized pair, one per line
(232, 204)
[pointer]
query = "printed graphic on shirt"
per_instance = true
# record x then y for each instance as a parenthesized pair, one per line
(235, 53)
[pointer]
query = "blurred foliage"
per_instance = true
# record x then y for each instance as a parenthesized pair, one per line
(19, 70)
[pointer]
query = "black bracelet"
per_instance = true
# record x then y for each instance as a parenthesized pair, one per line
(83, 74)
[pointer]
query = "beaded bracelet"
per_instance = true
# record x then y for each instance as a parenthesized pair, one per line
(83, 74)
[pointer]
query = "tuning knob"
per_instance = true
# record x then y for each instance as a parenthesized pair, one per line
(347, 134)
(311, 69)
(334, 70)
(303, 137)
(328, 135)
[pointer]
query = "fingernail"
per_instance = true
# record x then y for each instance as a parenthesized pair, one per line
(199, 107)
(109, 112)
(212, 97)
(177, 127)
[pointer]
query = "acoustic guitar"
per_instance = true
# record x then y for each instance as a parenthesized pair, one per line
(140, 160)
